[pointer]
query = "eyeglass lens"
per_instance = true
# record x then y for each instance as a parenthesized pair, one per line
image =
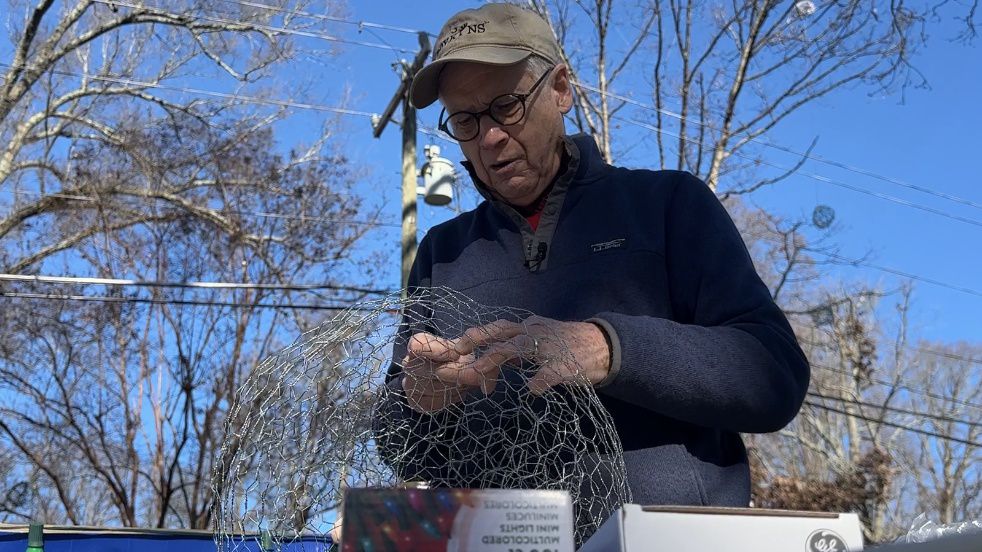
(504, 110)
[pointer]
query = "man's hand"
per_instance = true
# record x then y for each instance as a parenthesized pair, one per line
(565, 352)
(440, 372)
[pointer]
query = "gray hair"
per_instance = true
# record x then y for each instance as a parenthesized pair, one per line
(536, 65)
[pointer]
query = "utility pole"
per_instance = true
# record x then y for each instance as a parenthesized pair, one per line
(408, 152)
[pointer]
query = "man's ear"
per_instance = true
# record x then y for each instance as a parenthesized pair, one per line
(562, 88)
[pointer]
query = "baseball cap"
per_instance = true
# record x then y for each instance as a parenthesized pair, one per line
(495, 34)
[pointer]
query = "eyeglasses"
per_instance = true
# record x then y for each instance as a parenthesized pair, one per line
(506, 109)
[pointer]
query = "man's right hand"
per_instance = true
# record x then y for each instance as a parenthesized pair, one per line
(439, 372)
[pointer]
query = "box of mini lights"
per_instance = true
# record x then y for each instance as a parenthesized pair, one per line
(635, 528)
(457, 520)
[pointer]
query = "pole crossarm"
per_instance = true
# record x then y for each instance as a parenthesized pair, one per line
(407, 77)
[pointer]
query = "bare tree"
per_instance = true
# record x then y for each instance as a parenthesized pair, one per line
(947, 468)
(722, 75)
(112, 166)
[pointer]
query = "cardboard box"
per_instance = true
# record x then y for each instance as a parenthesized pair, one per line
(635, 528)
(457, 520)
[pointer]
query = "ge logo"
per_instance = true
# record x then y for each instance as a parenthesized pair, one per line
(824, 540)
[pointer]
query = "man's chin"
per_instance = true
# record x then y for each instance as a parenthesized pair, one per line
(517, 197)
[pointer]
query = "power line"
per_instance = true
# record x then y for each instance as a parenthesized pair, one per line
(896, 272)
(183, 302)
(236, 97)
(947, 355)
(861, 263)
(186, 285)
(331, 18)
(259, 26)
(894, 425)
(317, 219)
(814, 176)
(805, 155)
(938, 417)
(915, 390)
(437, 133)
(926, 350)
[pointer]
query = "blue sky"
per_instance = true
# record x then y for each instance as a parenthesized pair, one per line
(927, 137)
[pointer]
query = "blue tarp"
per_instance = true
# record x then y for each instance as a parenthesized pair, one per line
(64, 540)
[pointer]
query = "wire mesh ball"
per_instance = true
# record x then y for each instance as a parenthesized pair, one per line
(822, 216)
(330, 412)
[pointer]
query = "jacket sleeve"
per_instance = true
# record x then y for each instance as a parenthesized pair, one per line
(729, 359)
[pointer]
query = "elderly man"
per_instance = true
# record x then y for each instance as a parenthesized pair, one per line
(642, 274)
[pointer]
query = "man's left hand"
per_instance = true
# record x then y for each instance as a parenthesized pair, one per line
(566, 352)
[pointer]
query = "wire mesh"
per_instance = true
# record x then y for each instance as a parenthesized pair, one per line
(331, 411)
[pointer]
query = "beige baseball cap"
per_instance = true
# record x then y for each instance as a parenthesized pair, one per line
(496, 34)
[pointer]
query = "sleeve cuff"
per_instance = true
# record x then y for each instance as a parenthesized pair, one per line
(614, 345)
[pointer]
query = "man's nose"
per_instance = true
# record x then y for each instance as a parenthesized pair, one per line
(492, 135)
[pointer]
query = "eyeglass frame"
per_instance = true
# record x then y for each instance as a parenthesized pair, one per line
(478, 115)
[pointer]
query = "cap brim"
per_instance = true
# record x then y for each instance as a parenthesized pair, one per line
(426, 83)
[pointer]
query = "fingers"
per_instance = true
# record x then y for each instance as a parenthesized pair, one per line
(457, 376)
(499, 354)
(466, 373)
(555, 373)
(480, 336)
(441, 365)
(545, 379)
(473, 371)
(489, 381)
(335, 533)
(429, 347)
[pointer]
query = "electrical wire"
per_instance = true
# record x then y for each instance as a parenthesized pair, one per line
(181, 302)
(43, 279)
(925, 350)
(815, 176)
(914, 390)
(245, 99)
(331, 18)
(896, 272)
(938, 417)
(861, 263)
(259, 26)
(947, 355)
(805, 155)
(198, 91)
(343, 308)
(895, 425)
(316, 219)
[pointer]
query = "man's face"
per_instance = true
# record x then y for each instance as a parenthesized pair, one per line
(516, 161)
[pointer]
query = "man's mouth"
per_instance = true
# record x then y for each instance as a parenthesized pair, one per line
(501, 164)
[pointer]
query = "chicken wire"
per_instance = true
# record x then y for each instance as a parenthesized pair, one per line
(322, 415)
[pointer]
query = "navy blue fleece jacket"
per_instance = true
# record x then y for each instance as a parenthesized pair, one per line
(700, 352)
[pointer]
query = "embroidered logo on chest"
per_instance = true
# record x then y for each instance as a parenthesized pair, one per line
(604, 246)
